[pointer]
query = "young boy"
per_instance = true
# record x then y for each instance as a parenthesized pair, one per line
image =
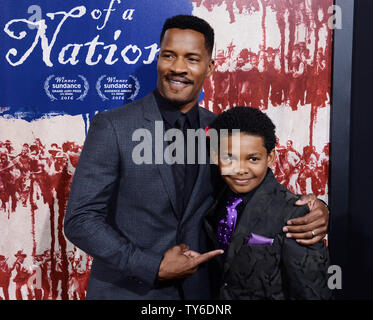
(246, 220)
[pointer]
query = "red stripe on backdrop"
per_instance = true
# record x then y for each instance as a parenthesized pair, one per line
(285, 70)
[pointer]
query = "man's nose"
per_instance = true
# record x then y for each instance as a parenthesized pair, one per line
(179, 65)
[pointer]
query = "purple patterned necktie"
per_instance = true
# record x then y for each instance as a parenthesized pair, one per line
(227, 225)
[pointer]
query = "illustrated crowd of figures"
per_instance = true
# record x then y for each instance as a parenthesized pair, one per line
(24, 177)
(294, 74)
(304, 172)
(35, 172)
(302, 10)
(37, 283)
(257, 79)
(36, 177)
(38, 172)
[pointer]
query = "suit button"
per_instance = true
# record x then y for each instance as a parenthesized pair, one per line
(225, 285)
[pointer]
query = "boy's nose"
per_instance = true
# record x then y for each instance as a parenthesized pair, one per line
(241, 169)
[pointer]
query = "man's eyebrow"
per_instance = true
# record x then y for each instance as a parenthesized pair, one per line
(167, 51)
(187, 54)
(193, 54)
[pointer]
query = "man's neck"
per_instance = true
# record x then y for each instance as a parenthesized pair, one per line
(183, 108)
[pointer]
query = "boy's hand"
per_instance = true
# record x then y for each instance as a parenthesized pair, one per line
(313, 226)
(180, 262)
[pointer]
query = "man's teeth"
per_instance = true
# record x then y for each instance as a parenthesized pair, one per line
(177, 82)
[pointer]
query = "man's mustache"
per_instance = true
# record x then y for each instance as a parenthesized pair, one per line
(180, 78)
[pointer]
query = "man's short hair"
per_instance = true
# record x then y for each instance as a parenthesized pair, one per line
(193, 23)
(250, 121)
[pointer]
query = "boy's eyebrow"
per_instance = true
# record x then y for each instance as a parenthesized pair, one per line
(249, 154)
(255, 154)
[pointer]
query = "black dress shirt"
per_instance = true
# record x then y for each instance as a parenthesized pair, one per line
(222, 210)
(170, 114)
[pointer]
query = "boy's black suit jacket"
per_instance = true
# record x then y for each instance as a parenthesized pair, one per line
(283, 270)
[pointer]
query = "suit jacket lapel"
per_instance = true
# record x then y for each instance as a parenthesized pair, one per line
(152, 114)
(209, 223)
(200, 188)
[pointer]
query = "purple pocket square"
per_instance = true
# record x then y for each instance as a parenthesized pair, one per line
(257, 240)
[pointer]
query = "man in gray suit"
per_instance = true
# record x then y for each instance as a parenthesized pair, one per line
(142, 223)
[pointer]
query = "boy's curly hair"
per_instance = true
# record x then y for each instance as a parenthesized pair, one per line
(247, 120)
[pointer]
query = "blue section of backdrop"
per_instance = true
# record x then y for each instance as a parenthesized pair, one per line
(98, 26)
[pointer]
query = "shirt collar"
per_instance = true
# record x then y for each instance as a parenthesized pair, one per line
(244, 196)
(170, 113)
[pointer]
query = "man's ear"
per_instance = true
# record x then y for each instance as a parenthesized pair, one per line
(211, 67)
(271, 158)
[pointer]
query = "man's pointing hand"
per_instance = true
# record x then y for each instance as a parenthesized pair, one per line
(180, 262)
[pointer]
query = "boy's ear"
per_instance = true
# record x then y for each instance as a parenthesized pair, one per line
(271, 158)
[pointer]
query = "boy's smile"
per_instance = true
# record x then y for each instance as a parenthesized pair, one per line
(244, 168)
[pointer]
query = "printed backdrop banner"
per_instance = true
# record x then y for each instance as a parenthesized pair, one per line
(61, 62)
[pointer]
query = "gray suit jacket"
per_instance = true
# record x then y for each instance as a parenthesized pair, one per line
(125, 214)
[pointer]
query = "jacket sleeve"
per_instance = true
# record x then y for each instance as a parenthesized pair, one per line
(305, 270)
(86, 221)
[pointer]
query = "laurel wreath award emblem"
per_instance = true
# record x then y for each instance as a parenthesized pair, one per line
(137, 88)
(46, 88)
(98, 88)
(53, 98)
(134, 93)
(86, 88)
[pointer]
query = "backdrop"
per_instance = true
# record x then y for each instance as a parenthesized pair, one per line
(61, 62)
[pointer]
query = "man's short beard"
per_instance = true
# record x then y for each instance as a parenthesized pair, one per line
(178, 103)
